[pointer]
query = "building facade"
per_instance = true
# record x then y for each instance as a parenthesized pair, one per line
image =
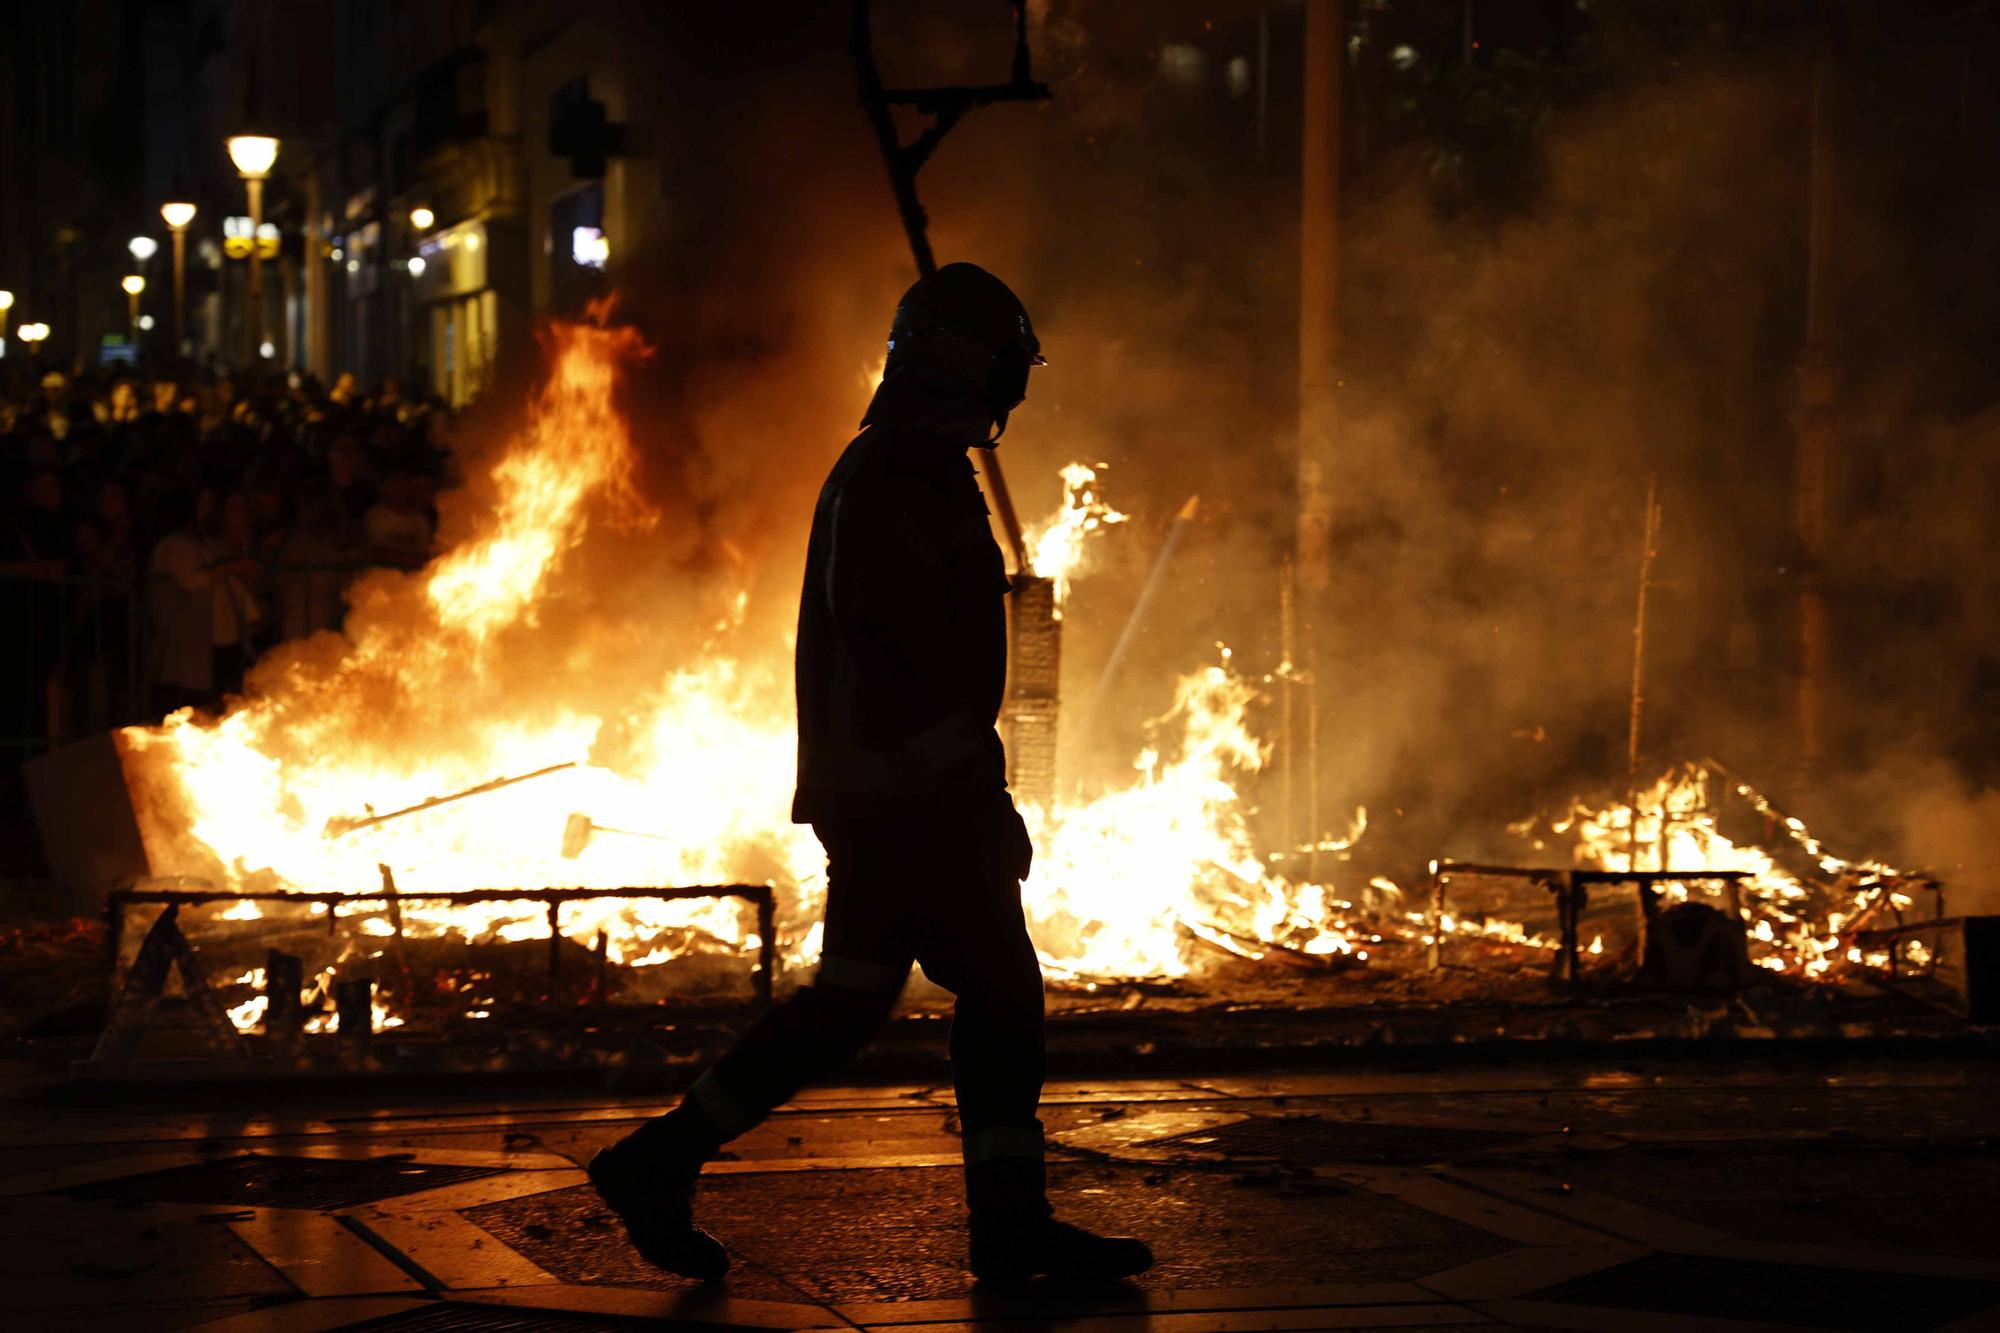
(448, 172)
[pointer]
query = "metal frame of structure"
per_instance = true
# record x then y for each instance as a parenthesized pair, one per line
(1961, 969)
(758, 895)
(1572, 890)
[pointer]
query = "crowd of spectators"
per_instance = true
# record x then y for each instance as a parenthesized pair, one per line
(158, 531)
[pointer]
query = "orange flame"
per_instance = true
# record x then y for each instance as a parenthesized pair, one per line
(409, 704)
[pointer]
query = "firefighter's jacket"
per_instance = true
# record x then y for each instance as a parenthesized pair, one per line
(902, 643)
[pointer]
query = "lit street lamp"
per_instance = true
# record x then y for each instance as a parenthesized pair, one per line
(143, 248)
(177, 216)
(34, 335)
(421, 218)
(6, 305)
(254, 155)
(134, 285)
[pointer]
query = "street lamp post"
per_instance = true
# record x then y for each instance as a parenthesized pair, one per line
(34, 335)
(134, 285)
(6, 306)
(177, 216)
(253, 155)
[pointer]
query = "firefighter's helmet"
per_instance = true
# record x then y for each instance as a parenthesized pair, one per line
(966, 323)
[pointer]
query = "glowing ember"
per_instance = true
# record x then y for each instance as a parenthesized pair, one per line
(322, 1017)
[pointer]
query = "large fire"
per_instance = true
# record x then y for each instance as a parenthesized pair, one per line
(278, 793)
(297, 789)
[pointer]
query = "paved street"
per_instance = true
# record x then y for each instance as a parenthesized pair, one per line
(1671, 1196)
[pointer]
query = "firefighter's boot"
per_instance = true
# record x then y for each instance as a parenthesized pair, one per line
(648, 1179)
(1015, 1234)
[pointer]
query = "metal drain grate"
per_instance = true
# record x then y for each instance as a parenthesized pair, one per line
(1310, 1141)
(454, 1317)
(1698, 1286)
(283, 1182)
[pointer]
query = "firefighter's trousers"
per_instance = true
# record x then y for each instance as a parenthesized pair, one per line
(931, 890)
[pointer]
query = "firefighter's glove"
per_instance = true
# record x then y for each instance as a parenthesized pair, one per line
(1003, 836)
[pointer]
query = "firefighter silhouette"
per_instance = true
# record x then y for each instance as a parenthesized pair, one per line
(901, 664)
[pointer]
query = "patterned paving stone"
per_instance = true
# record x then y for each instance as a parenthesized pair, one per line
(1317, 1141)
(1942, 1200)
(1231, 1202)
(571, 1234)
(60, 1258)
(457, 1317)
(257, 1180)
(1702, 1287)
(898, 1234)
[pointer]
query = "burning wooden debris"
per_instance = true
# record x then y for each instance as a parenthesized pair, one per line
(1160, 878)
(353, 986)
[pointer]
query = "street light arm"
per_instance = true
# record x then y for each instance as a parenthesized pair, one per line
(947, 106)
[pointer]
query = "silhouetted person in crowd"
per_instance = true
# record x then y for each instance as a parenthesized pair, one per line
(233, 560)
(114, 593)
(397, 529)
(181, 610)
(349, 487)
(41, 529)
(901, 665)
(320, 544)
(99, 668)
(36, 554)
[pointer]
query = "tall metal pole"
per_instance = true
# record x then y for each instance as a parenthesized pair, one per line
(319, 305)
(1288, 706)
(253, 323)
(1635, 734)
(1319, 382)
(180, 289)
(1814, 416)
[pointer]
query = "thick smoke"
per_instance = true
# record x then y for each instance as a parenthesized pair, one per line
(1511, 383)
(1516, 384)
(1509, 387)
